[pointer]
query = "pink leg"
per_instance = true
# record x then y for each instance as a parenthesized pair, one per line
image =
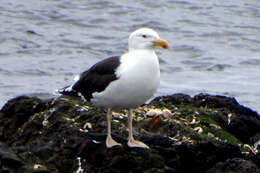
(131, 141)
(110, 142)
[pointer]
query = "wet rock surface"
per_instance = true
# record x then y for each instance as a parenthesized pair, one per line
(204, 133)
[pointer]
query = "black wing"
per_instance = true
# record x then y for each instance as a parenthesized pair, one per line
(96, 79)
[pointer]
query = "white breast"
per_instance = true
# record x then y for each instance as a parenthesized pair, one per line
(139, 78)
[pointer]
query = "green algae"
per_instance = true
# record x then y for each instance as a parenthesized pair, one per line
(185, 113)
(67, 117)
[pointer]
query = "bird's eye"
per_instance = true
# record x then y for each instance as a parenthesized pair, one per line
(144, 36)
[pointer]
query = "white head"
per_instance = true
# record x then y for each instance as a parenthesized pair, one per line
(145, 38)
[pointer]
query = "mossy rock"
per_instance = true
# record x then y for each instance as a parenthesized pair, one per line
(195, 135)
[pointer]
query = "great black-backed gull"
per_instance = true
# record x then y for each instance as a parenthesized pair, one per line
(123, 82)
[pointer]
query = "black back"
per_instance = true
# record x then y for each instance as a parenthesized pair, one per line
(97, 78)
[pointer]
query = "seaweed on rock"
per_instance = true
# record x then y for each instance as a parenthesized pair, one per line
(204, 133)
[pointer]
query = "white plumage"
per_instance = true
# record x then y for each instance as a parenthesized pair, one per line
(123, 82)
(139, 78)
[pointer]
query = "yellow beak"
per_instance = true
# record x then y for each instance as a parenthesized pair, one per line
(161, 43)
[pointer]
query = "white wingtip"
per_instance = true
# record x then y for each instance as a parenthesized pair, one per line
(76, 78)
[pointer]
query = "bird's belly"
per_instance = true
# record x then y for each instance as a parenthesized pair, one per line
(128, 92)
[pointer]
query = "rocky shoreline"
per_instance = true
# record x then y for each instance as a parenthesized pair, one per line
(204, 133)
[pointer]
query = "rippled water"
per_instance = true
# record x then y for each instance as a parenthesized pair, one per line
(214, 45)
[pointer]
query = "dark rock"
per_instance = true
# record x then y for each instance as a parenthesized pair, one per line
(8, 158)
(235, 165)
(173, 99)
(244, 122)
(200, 156)
(42, 136)
(255, 140)
(16, 112)
(223, 102)
(157, 140)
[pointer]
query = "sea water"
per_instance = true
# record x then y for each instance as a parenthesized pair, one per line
(214, 45)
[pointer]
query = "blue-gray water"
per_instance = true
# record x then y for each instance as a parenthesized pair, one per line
(214, 45)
